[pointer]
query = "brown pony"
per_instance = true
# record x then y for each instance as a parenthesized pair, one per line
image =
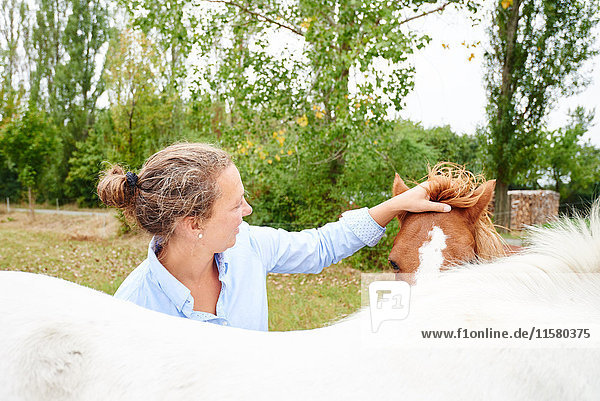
(433, 241)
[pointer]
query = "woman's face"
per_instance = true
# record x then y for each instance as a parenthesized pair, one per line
(219, 232)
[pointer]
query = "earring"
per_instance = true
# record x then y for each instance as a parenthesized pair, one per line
(200, 236)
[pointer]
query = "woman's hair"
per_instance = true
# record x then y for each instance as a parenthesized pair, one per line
(176, 182)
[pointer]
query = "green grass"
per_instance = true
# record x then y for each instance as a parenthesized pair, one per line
(512, 235)
(308, 301)
(87, 251)
(99, 263)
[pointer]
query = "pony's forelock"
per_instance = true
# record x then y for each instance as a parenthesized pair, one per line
(454, 185)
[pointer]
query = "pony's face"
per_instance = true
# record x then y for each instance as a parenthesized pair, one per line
(432, 241)
(428, 242)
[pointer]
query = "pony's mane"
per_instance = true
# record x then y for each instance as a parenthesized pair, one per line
(456, 186)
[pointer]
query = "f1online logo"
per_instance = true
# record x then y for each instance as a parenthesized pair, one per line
(388, 300)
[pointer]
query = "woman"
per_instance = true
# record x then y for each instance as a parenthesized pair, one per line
(204, 262)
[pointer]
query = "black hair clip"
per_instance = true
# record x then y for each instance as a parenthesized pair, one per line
(132, 180)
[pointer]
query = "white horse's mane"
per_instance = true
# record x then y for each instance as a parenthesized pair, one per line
(61, 341)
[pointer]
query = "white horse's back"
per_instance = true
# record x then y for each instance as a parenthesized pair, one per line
(60, 341)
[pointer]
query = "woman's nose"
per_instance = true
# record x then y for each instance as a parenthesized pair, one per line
(247, 208)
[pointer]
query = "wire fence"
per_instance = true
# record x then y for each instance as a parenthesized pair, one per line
(567, 208)
(570, 209)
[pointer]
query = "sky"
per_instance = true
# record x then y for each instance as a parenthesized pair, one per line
(449, 88)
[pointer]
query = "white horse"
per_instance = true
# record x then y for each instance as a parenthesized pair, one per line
(61, 341)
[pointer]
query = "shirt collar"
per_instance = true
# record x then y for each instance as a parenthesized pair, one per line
(178, 293)
(222, 260)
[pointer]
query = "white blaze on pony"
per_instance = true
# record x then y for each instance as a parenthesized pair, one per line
(430, 253)
(61, 341)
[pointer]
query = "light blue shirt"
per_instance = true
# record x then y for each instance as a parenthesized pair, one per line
(244, 267)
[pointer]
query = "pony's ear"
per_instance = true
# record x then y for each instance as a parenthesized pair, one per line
(399, 186)
(486, 190)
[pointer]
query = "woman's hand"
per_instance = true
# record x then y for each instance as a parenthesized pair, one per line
(414, 200)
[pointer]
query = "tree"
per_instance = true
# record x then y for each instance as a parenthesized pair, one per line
(338, 39)
(141, 105)
(27, 145)
(78, 80)
(454, 148)
(345, 66)
(565, 163)
(86, 161)
(68, 39)
(537, 48)
(138, 121)
(167, 25)
(48, 52)
(14, 41)
(562, 149)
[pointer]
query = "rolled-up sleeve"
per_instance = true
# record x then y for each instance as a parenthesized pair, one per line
(309, 251)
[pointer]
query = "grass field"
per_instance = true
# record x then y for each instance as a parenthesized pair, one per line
(88, 251)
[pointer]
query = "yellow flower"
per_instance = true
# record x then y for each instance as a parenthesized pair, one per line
(249, 142)
(306, 23)
(262, 156)
(281, 151)
(281, 131)
(243, 150)
(375, 142)
(277, 158)
(270, 161)
(506, 3)
(274, 134)
(280, 140)
(302, 121)
(319, 114)
(290, 152)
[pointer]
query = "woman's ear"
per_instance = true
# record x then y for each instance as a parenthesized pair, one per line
(190, 223)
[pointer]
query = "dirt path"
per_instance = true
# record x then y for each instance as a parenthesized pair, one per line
(68, 212)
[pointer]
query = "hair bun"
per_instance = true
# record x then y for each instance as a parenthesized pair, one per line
(116, 188)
